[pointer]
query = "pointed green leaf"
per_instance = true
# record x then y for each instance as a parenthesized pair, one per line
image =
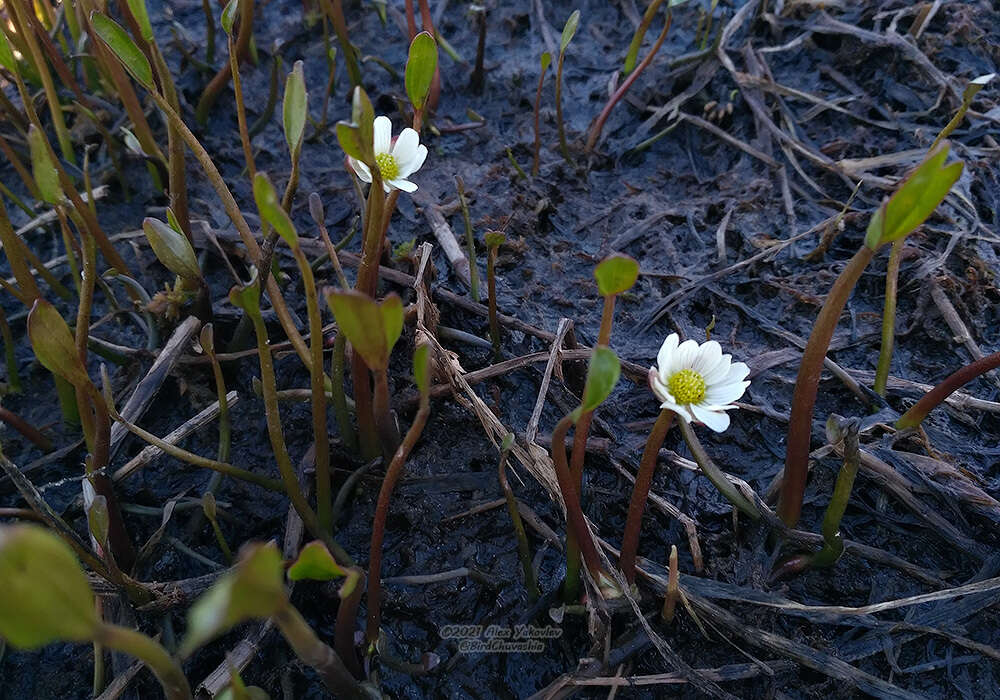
(54, 345)
(546, 61)
(295, 109)
(141, 14)
(363, 116)
(371, 328)
(98, 517)
(46, 597)
(254, 588)
(121, 44)
(43, 168)
(602, 376)
(271, 211)
(172, 248)
(315, 563)
(391, 309)
(420, 67)
(247, 297)
(229, 13)
(207, 339)
(569, 29)
(616, 274)
(350, 140)
(7, 59)
(915, 200)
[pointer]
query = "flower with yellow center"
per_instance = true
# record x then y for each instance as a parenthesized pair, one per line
(697, 382)
(397, 160)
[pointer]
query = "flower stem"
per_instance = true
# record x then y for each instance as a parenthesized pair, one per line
(888, 318)
(793, 484)
(166, 669)
(392, 474)
(930, 400)
(640, 493)
(715, 474)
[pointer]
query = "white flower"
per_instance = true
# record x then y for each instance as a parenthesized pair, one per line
(698, 383)
(396, 161)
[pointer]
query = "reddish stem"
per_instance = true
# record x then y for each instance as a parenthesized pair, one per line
(595, 131)
(793, 483)
(640, 493)
(930, 400)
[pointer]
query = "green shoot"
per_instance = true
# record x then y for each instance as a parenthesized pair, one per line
(523, 549)
(895, 219)
(493, 239)
(569, 29)
(470, 240)
(546, 60)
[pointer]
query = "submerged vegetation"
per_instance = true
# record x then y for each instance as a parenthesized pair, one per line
(153, 227)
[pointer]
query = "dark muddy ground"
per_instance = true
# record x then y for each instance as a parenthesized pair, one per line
(833, 86)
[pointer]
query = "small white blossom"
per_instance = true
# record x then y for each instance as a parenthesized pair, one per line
(698, 382)
(397, 160)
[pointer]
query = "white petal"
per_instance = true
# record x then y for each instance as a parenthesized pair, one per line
(407, 169)
(737, 373)
(716, 420)
(718, 373)
(666, 354)
(383, 134)
(685, 356)
(709, 355)
(660, 390)
(683, 412)
(723, 394)
(360, 169)
(405, 148)
(401, 184)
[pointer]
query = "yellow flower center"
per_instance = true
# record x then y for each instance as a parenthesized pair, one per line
(387, 165)
(687, 386)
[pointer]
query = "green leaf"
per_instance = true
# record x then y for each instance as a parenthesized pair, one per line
(420, 67)
(207, 339)
(363, 116)
(118, 40)
(271, 210)
(141, 14)
(43, 168)
(54, 345)
(7, 59)
(494, 239)
(421, 368)
(546, 61)
(602, 376)
(616, 274)
(229, 13)
(569, 29)
(508, 442)
(915, 200)
(371, 328)
(46, 597)
(350, 140)
(253, 589)
(99, 520)
(316, 564)
(295, 110)
(247, 297)
(172, 248)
